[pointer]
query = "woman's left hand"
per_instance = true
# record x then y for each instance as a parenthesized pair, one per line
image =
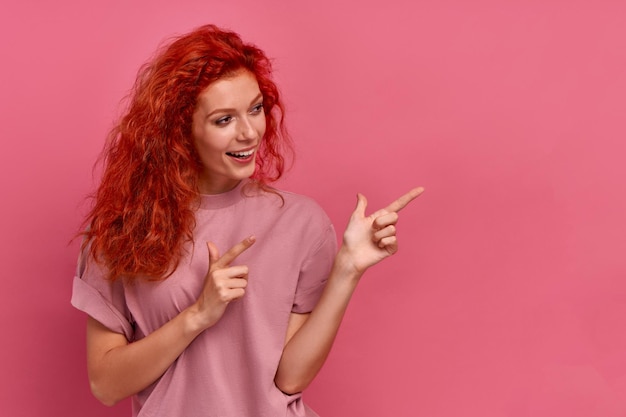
(368, 240)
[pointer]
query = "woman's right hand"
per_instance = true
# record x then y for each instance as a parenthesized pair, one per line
(223, 283)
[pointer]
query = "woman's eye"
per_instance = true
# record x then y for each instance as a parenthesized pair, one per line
(223, 120)
(258, 108)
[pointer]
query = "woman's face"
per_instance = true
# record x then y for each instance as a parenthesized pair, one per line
(227, 127)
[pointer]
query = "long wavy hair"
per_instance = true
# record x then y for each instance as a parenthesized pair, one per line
(143, 212)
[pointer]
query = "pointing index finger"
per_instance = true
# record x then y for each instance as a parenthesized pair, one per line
(403, 201)
(234, 252)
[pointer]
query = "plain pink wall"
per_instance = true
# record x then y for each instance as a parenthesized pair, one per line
(508, 297)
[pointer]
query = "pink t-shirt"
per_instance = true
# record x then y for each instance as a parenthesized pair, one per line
(228, 370)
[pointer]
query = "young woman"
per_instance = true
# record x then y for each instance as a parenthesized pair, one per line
(209, 293)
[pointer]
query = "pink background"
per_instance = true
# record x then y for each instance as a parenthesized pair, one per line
(508, 297)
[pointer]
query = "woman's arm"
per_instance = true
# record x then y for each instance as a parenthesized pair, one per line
(366, 241)
(118, 369)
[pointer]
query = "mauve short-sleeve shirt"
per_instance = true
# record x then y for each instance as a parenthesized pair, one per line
(228, 370)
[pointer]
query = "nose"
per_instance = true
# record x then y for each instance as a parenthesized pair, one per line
(246, 130)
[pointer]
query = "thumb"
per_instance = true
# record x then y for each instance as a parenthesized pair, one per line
(214, 253)
(361, 204)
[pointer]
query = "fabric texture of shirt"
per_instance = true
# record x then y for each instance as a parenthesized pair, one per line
(228, 370)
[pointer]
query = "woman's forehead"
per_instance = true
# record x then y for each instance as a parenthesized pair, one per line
(240, 88)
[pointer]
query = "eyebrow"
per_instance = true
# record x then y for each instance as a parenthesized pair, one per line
(232, 110)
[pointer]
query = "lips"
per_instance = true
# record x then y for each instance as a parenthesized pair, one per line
(241, 155)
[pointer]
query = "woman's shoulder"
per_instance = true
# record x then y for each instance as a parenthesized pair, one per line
(289, 203)
(300, 200)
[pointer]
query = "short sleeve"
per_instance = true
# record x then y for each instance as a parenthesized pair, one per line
(314, 272)
(101, 298)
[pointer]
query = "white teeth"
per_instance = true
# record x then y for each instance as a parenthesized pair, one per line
(241, 154)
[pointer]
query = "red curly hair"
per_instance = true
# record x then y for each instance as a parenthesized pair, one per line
(144, 207)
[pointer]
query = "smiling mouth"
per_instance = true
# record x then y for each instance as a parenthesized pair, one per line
(240, 155)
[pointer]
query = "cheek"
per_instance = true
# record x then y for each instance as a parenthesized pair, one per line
(212, 142)
(261, 126)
